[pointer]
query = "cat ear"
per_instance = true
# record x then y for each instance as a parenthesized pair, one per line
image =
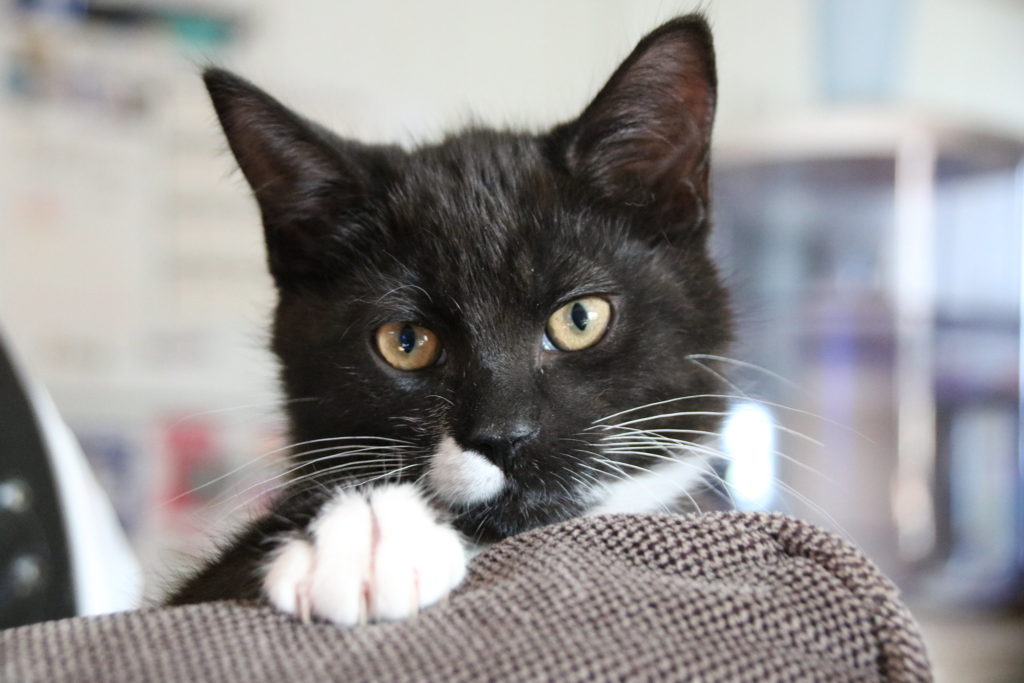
(645, 139)
(308, 182)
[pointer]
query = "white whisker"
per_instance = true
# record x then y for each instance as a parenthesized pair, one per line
(245, 406)
(750, 366)
(333, 456)
(662, 416)
(282, 449)
(346, 487)
(717, 375)
(771, 404)
(644, 437)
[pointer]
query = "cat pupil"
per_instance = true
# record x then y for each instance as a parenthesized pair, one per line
(579, 316)
(407, 339)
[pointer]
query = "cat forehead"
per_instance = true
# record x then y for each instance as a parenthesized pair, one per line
(491, 202)
(482, 224)
(477, 176)
(491, 276)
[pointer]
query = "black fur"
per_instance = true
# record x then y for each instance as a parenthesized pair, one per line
(480, 238)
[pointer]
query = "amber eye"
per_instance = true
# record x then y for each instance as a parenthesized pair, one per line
(407, 346)
(579, 323)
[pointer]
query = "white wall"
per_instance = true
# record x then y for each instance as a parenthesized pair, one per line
(415, 68)
(396, 68)
(966, 57)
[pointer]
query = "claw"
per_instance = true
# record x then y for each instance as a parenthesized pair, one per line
(355, 563)
(414, 608)
(302, 601)
(364, 603)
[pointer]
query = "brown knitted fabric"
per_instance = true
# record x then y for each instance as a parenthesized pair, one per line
(715, 597)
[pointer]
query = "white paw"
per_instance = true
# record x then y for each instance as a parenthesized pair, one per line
(371, 555)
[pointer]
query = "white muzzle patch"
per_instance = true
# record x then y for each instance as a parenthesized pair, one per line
(461, 477)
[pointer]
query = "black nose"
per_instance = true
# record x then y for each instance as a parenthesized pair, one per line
(501, 444)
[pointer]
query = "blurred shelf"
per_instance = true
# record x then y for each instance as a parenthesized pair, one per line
(858, 132)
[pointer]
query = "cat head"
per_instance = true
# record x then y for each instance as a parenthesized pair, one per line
(509, 318)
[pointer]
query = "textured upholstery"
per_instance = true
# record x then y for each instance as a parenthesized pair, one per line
(714, 597)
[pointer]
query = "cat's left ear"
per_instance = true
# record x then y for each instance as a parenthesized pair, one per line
(645, 139)
(310, 185)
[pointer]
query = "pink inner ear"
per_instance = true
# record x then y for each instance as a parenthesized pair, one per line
(670, 93)
(696, 95)
(645, 138)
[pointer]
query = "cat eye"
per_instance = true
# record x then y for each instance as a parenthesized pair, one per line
(407, 346)
(579, 324)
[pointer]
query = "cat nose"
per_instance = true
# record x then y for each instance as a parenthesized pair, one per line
(502, 443)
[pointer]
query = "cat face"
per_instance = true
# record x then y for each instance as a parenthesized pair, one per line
(483, 315)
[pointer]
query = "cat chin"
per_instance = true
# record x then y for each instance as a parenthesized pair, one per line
(461, 477)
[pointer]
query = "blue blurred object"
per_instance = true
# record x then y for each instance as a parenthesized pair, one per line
(876, 267)
(862, 45)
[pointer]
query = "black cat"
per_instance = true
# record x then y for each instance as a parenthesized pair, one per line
(482, 335)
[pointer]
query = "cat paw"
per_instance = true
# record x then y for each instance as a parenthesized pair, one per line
(372, 555)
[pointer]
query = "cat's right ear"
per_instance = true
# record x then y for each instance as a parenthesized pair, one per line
(645, 139)
(308, 182)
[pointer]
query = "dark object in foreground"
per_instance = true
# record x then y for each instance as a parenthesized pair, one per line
(719, 597)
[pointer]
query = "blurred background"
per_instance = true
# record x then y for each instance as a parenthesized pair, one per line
(869, 179)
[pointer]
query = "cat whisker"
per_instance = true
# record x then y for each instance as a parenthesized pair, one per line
(597, 423)
(284, 477)
(584, 479)
(631, 433)
(623, 476)
(683, 489)
(710, 477)
(701, 465)
(355, 447)
(734, 397)
(253, 461)
(333, 456)
(799, 411)
(776, 480)
(789, 490)
(483, 520)
(693, 413)
(399, 288)
(327, 476)
(662, 416)
(593, 479)
(315, 478)
(615, 466)
(245, 406)
(561, 484)
(622, 441)
(641, 438)
(593, 471)
(389, 452)
(638, 437)
(674, 445)
(574, 440)
(717, 375)
(298, 483)
(747, 365)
